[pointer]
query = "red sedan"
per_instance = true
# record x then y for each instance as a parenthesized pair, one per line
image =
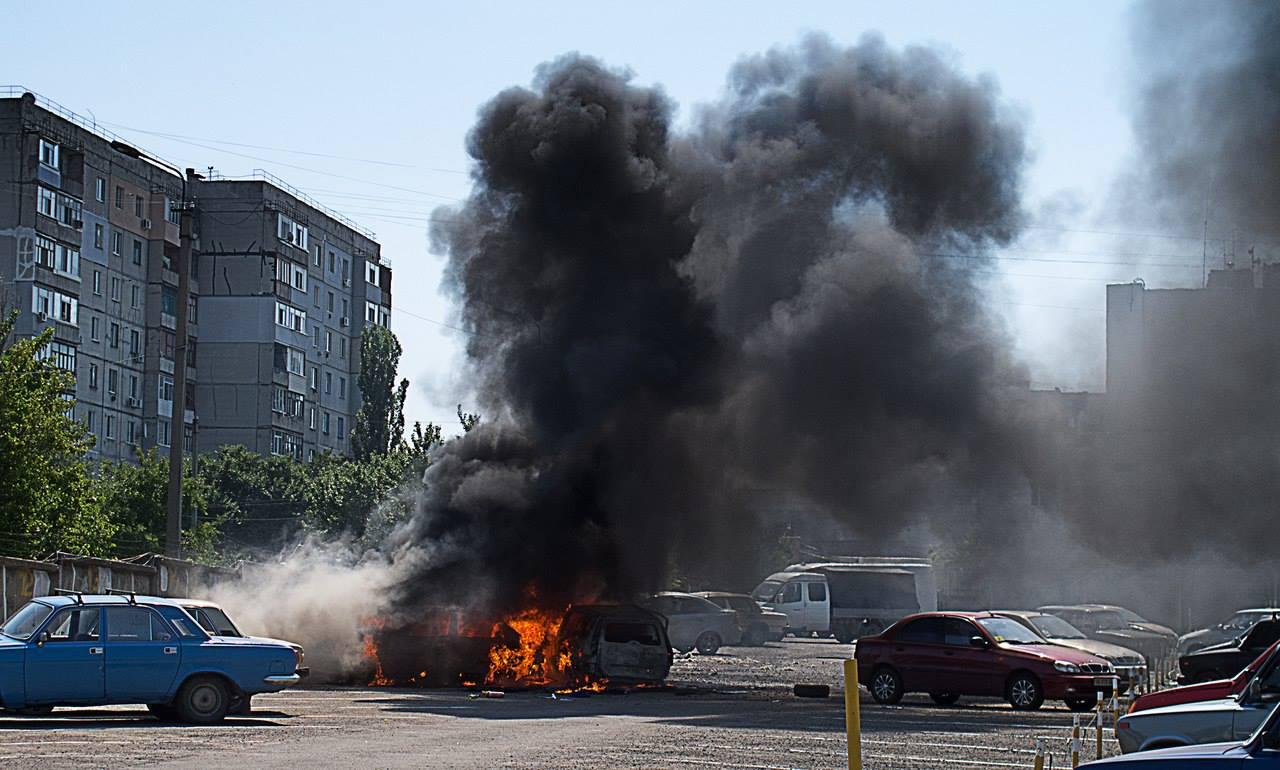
(950, 654)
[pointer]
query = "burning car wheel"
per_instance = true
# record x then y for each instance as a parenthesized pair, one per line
(886, 686)
(708, 642)
(203, 700)
(1024, 692)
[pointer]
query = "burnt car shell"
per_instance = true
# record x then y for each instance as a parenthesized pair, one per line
(622, 643)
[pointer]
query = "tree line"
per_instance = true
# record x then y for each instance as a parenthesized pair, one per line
(52, 497)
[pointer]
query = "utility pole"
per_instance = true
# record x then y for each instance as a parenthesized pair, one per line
(177, 418)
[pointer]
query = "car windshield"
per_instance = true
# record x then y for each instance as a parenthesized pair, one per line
(1006, 631)
(26, 620)
(214, 621)
(1109, 619)
(1054, 627)
(1129, 616)
(766, 591)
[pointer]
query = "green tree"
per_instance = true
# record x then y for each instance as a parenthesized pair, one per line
(46, 500)
(468, 420)
(379, 424)
(134, 498)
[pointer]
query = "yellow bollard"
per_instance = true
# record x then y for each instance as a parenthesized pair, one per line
(1039, 754)
(1097, 725)
(852, 717)
(1075, 752)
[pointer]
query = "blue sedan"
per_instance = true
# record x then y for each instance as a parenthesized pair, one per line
(89, 650)
(1261, 750)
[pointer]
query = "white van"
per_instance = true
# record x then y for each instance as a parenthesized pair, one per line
(850, 598)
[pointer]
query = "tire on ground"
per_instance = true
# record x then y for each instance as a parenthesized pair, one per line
(203, 700)
(886, 686)
(708, 642)
(1024, 691)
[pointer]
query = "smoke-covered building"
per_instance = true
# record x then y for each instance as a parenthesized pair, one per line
(281, 289)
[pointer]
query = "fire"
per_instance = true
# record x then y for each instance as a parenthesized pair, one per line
(530, 658)
(379, 679)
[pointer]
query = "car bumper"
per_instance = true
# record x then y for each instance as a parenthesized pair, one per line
(282, 680)
(303, 671)
(1078, 686)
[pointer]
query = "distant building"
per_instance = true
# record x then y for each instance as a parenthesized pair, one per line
(281, 291)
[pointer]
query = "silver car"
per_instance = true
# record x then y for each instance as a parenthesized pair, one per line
(1210, 721)
(1129, 664)
(694, 622)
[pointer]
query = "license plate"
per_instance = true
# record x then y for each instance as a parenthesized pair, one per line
(1103, 681)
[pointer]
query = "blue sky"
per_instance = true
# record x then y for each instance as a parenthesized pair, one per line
(384, 93)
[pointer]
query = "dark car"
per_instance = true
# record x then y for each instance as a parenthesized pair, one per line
(1221, 661)
(950, 654)
(758, 624)
(1214, 690)
(1109, 623)
(1231, 628)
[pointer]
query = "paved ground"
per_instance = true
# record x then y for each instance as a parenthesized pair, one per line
(732, 710)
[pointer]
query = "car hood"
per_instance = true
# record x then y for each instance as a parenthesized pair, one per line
(1051, 652)
(1138, 635)
(1191, 693)
(1156, 628)
(1194, 707)
(1104, 650)
(1204, 750)
(1204, 633)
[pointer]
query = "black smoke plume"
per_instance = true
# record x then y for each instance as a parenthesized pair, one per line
(660, 325)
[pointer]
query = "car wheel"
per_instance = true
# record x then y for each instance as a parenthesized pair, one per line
(708, 642)
(1080, 704)
(203, 700)
(886, 686)
(944, 698)
(1024, 692)
(163, 711)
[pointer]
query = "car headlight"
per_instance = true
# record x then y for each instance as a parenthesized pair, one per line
(1065, 667)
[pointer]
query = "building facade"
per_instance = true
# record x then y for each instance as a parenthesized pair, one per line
(281, 290)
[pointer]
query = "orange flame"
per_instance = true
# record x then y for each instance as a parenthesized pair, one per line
(379, 679)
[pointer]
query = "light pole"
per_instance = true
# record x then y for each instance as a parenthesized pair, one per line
(177, 421)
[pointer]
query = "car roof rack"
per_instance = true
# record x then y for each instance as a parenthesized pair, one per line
(133, 595)
(69, 592)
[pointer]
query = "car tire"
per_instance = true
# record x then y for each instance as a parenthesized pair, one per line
(944, 698)
(163, 711)
(886, 686)
(203, 700)
(708, 642)
(1080, 704)
(1024, 691)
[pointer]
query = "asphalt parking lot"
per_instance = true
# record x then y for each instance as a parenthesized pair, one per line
(734, 709)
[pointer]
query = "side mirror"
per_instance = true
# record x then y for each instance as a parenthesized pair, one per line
(42, 638)
(979, 642)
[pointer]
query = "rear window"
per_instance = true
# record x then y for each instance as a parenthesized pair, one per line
(623, 633)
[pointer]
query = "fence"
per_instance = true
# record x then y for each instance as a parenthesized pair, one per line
(151, 574)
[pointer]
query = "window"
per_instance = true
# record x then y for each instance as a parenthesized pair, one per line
(46, 202)
(319, 261)
(137, 206)
(62, 355)
(342, 348)
(342, 387)
(133, 386)
(119, 197)
(330, 302)
(346, 305)
(113, 335)
(957, 632)
(165, 391)
(332, 261)
(75, 625)
(371, 312)
(328, 341)
(372, 276)
(291, 318)
(133, 344)
(164, 431)
(100, 190)
(134, 294)
(790, 593)
(41, 302)
(921, 631)
(292, 233)
(131, 432)
(93, 376)
(111, 427)
(328, 382)
(97, 282)
(67, 261)
(137, 251)
(44, 251)
(289, 359)
(817, 592)
(115, 243)
(115, 289)
(346, 272)
(313, 378)
(90, 421)
(311, 418)
(169, 301)
(113, 379)
(286, 443)
(47, 302)
(286, 402)
(136, 624)
(300, 278)
(324, 423)
(93, 328)
(171, 213)
(98, 235)
(48, 154)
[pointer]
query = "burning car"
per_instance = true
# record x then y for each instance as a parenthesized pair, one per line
(617, 644)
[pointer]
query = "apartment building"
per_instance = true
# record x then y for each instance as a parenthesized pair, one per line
(88, 245)
(289, 287)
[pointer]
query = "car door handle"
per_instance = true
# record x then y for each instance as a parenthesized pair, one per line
(170, 650)
(95, 650)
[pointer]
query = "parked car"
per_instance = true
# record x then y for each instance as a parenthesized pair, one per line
(758, 625)
(1260, 750)
(1222, 688)
(1129, 664)
(622, 643)
(1206, 721)
(1229, 629)
(694, 622)
(1109, 623)
(951, 654)
(1219, 661)
(91, 650)
(848, 599)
